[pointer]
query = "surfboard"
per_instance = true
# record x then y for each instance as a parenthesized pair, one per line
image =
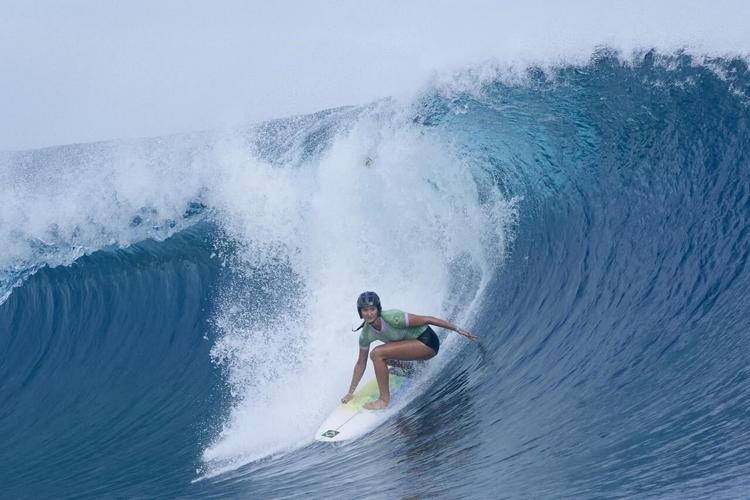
(351, 420)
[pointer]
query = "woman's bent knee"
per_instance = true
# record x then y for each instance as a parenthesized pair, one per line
(375, 354)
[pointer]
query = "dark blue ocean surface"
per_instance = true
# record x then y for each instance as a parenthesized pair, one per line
(614, 358)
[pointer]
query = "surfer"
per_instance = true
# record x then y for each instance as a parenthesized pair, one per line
(406, 337)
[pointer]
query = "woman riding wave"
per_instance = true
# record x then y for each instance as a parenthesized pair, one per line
(406, 337)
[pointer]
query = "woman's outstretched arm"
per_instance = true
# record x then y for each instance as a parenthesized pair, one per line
(417, 320)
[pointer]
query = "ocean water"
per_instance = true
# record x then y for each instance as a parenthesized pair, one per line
(176, 313)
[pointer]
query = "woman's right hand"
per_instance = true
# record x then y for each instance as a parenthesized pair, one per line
(347, 398)
(466, 334)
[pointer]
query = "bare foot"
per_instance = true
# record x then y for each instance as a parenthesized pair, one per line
(375, 405)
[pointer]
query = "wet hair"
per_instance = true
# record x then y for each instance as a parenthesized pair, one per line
(360, 327)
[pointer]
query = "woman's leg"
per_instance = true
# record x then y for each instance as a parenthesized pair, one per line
(404, 350)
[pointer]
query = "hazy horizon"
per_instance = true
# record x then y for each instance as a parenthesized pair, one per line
(83, 71)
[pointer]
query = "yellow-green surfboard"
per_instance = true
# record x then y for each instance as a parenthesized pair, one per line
(351, 420)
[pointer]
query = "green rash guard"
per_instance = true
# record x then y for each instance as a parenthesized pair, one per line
(395, 326)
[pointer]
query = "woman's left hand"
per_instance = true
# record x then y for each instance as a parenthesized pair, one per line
(466, 334)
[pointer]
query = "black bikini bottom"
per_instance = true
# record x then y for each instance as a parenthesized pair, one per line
(430, 339)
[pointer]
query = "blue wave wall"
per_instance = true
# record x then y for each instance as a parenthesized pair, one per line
(107, 381)
(614, 353)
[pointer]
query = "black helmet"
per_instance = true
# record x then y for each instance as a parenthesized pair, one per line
(368, 299)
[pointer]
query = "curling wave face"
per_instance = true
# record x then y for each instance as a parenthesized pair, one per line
(178, 308)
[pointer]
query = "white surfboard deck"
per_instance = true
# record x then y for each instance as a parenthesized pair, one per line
(351, 420)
